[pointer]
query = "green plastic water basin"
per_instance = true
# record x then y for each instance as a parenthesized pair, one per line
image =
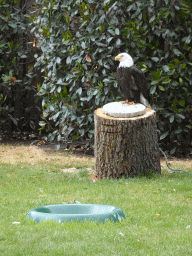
(77, 212)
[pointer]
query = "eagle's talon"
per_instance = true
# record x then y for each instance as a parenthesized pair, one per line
(127, 102)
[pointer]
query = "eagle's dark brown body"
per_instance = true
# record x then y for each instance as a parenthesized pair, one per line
(132, 82)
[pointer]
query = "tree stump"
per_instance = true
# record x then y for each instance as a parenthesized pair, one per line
(126, 147)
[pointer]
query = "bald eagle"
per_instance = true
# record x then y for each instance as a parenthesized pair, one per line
(132, 81)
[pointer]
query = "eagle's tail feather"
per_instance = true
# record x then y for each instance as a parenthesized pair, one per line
(144, 101)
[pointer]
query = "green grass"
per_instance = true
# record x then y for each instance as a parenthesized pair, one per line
(158, 213)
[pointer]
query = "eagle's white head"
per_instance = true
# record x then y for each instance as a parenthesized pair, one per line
(125, 59)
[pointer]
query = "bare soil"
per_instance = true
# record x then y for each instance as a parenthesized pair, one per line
(33, 152)
(25, 152)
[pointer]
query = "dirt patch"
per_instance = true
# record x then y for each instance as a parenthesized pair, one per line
(13, 154)
(29, 153)
(178, 164)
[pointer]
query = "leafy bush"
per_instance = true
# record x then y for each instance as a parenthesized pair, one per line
(17, 89)
(79, 40)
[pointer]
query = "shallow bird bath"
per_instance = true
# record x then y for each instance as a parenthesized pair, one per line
(124, 110)
(77, 212)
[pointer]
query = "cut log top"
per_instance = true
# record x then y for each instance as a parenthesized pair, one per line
(149, 112)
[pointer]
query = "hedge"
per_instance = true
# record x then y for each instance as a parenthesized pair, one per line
(79, 40)
(19, 110)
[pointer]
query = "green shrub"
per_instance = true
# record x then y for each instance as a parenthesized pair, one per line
(16, 67)
(79, 40)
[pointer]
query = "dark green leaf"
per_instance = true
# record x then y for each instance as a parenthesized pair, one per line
(68, 61)
(117, 32)
(59, 89)
(164, 135)
(111, 32)
(42, 123)
(173, 150)
(188, 39)
(153, 89)
(67, 18)
(166, 81)
(171, 119)
(178, 131)
(152, 19)
(118, 42)
(154, 82)
(166, 68)
(83, 45)
(46, 31)
(181, 102)
(180, 116)
(177, 52)
(155, 59)
(161, 88)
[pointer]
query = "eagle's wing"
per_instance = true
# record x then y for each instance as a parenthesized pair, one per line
(140, 81)
(123, 77)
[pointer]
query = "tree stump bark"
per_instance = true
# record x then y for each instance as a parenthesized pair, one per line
(126, 147)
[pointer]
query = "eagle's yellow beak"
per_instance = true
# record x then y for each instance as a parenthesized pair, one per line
(118, 57)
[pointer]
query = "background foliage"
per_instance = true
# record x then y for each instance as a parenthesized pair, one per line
(79, 40)
(18, 107)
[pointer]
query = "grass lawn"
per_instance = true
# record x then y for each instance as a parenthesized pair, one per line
(158, 210)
